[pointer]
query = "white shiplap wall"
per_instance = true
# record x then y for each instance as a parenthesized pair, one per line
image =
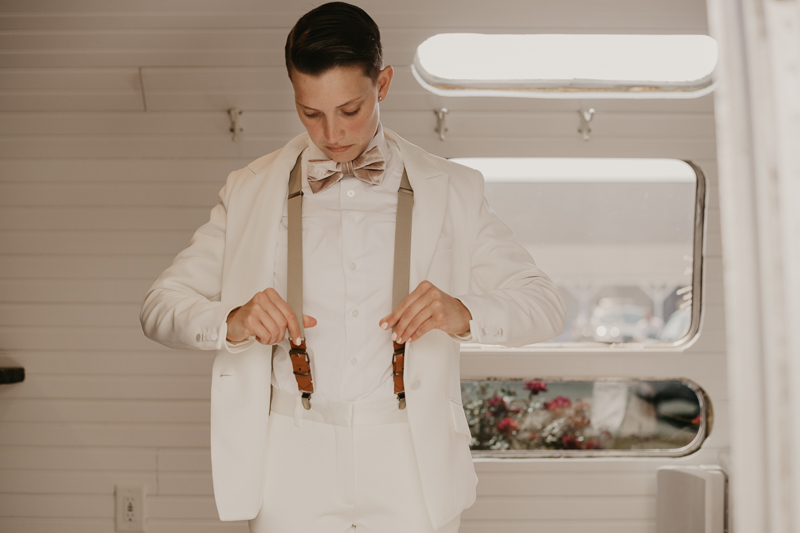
(113, 145)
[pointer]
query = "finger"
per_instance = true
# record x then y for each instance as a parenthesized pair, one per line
(423, 328)
(309, 321)
(395, 315)
(274, 320)
(288, 316)
(262, 334)
(257, 323)
(401, 329)
(276, 332)
(423, 317)
(391, 319)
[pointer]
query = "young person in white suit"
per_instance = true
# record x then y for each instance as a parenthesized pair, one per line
(355, 460)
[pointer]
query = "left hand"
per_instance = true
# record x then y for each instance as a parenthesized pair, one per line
(427, 308)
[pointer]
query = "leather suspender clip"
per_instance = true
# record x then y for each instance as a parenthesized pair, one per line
(301, 367)
(398, 364)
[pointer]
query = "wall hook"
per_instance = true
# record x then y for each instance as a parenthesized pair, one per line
(441, 129)
(586, 118)
(235, 113)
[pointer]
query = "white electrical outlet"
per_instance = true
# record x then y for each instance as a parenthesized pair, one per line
(130, 510)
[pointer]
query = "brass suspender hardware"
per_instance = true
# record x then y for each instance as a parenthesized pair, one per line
(306, 400)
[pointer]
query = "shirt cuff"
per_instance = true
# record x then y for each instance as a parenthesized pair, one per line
(234, 347)
(469, 335)
(482, 328)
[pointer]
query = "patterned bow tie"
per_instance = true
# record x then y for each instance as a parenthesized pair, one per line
(369, 167)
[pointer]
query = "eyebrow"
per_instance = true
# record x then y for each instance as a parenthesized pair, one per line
(337, 107)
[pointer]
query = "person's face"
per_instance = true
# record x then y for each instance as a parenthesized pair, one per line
(339, 108)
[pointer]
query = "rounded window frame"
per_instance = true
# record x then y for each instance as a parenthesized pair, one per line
(703, 432)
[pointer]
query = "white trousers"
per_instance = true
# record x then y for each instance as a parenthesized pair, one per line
(341, 467)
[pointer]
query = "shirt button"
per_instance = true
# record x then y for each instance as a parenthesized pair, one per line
(352, 266)
(355, 312)
(198, 337)
(351, 193)
(353, 361)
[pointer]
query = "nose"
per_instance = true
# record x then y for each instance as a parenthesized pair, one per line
(331, 131)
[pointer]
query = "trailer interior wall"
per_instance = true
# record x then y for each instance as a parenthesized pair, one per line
(114, 141)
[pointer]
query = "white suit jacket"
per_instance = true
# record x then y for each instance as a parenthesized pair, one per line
(457, 243)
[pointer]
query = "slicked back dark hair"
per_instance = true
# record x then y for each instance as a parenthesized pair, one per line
(335, 34)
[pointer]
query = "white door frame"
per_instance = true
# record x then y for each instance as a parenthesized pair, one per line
(757, 105)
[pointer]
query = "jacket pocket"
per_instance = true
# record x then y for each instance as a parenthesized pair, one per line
(459, 418)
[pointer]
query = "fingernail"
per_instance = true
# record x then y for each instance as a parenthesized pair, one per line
(394, 336)
(399, 341)
(384, 325)
(297, 342)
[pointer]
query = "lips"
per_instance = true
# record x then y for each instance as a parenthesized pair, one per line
(339, 149)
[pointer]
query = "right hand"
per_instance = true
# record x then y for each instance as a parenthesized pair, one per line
(266, 316)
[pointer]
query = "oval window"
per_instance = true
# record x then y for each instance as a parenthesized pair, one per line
(567, 66)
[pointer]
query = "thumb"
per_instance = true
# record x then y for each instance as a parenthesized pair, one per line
(309, 321)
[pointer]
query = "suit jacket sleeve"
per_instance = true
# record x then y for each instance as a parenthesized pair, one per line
(512, 301)
(182, 309)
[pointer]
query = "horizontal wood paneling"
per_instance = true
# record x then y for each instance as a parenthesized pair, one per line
(66, 267)
(63, 482)
(119, 387)
(104, 525)
(197, 170)
(110, 148)
(82, 461)
(105, 410)
(73, 434)
(649, 126)
(164, 362)
(557, 526)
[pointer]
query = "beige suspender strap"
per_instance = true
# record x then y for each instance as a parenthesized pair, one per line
(402, 267)
(295, 258)
(294, 281)
(402, 242)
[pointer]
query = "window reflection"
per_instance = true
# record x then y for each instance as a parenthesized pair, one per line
(617, 236)
(539, 415)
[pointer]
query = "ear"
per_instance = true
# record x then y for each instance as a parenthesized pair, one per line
(384, 81)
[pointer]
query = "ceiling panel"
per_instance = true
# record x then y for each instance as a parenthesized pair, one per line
(650, 15)
(209, 55)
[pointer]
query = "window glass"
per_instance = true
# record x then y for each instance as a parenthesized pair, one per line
(567, 66)
(538, 417)
(617, 236)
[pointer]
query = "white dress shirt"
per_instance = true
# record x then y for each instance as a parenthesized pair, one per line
(348, 259)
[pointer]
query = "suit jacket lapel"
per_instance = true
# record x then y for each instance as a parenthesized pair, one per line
(430, 185)
(265, 197)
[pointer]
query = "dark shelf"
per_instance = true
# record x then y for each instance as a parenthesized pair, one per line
(11, 375)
